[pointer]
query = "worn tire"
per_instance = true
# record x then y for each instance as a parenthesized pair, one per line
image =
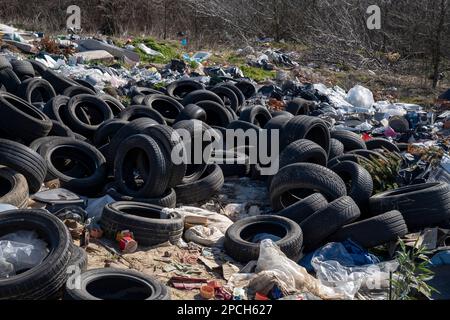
(46, 279)
(22, 119)
(136, 112)
(358, 181)
(216, 114)
(240, 96)
(167, 200)
(303, 179)
(168, 107)
(247, 88)
(23, 69)
(201, 95)
(179, 89)
(106, 131)
(373, 232)
(203, 189)
(423, 205)
(191, 111)
(151, 162)
(87, 174)
(336, 148)
(228, 97)
(10, 80)
(113, 286)
(114, 104)
(257, 115)
(239, 246)
(25, 161)
(36, 90)
(305, 127)
(144, 220)
(301, 210)
(303, 151)
(350, 140)
(323, 223)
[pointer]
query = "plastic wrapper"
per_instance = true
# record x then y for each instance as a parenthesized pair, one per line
(289, 276)
(20, 251)
(335, 267)
(361, 98)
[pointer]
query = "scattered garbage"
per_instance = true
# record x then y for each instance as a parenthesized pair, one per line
(90, 162)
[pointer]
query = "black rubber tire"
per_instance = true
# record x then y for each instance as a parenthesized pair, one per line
(56, 109)
(194, 170)
(128, 130)
(23, 69)
(170, 142)
(399, 124)
(240, 96)
(136, 112)
(301, 210)
(37, 144)
(143, 91)
(422, 206)
(358, 180)
(36, 90)
(76, 90)
(299, 106)
(107, 130)
(60, 130)
(380, 143)
(201, 95)
(203, 189)
(281, 113)
(46, 279)
(82, 126)
(228, 97)
(58, 82)
(303, 151)
(305, 178)
(257, 115)
(239, 246)
(347, 157)
(137, 100)
(21, 119)
(38, 67)
(373, 232)
(144, 220)
(25, 161)
(114, 104)
(167, 200)
(14, 188)
(350, 140)
(305, 127)
(88, 175)
(336, 148)
(191, 111)
(247, 88)
(10, 80)
(277, 122)
(151, 162)
(78, 258)
(323, 223)
(140, 286)
(179, 89)
(216, 114)
(168, 107)
(233, 163)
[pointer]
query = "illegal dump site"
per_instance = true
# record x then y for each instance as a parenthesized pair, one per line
(93, 206)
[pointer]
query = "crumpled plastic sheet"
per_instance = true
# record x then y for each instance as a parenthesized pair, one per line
(335, 267)
(206, 236)
(361, 98)
(20, 251)
(273, 265)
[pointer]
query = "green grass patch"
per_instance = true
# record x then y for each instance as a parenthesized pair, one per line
(257, 74)
(169, 50)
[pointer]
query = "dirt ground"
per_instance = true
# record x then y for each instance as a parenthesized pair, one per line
(238, 198)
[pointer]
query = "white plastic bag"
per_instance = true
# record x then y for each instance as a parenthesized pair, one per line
(289, 275)
(20, 251)
(210, 237)
(361, 97)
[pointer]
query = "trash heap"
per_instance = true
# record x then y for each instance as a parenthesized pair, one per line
(355, 175)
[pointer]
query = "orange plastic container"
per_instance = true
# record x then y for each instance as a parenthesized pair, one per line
(207, 292)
